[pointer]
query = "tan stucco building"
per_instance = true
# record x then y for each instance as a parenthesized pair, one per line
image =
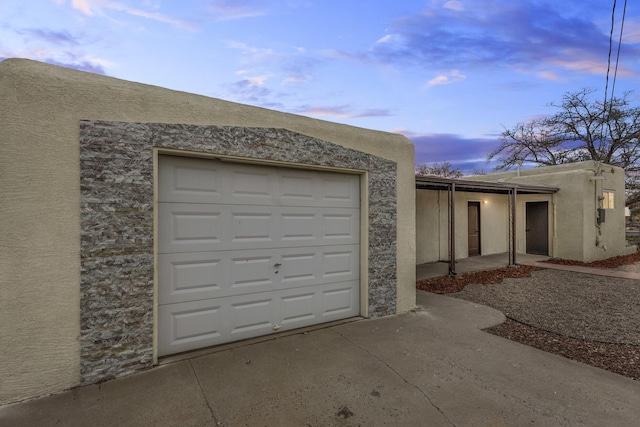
(573, 211)
(108, 195)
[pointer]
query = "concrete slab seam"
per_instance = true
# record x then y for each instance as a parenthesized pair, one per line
(397, 374)
(204, 396)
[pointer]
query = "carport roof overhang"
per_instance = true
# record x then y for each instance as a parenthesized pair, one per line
(438, 183)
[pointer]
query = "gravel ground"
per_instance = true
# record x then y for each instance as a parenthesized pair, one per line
(582, 306)
(590, 319)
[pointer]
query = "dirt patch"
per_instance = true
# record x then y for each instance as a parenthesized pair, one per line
(447, 284)
(613, 262)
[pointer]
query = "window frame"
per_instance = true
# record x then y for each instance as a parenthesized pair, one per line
(608, 199)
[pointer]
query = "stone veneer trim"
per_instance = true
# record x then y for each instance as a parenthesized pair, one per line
(116, 219)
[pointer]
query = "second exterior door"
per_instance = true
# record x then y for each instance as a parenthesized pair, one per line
(537, 228)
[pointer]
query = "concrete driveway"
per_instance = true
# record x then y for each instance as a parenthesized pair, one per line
(431, 367)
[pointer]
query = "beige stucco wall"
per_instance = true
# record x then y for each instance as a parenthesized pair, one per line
(432, 219)
(494, 224)
(429, 230)
(573, 230)
(40, 197)
(575, 234)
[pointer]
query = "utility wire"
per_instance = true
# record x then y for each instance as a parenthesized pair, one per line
(607, 119)
(606, 86)
(615, 73)
(606, 123)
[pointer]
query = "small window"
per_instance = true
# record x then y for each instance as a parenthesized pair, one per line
(608, 198)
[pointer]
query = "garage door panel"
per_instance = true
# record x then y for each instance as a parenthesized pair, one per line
(340, 190)
(253, 316)
(254, 187)
(206, 323)
(317, 304)
(190, 277)
(194, 226)
(298, 188)
(326, 265)
(300, 268)
(186, 227)
(189, 180)
(299, 307)
(195, 324)
(299, 227)
(251, 227)
(340, 226)
(338, 301)
(194, 276)
(190, 325)
(342, 264)
(201, 275)
(252, 273)
(195, 181)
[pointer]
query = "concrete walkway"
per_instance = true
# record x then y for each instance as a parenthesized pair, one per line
(490, 262)
(471, 264)
(430, 367)
(586, 270)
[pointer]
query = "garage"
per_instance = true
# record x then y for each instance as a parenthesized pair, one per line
(246, 250)
(111, 292)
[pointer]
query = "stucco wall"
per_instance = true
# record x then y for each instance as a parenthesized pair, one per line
(495, 229)
(576, 234)
(573, 229)
(40, 112)
(612, 231)
(432, 224)
(428, 228)
(573, 201)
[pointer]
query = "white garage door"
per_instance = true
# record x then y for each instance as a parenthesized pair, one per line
(248, 250)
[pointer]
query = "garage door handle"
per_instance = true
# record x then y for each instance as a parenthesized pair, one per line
(277, 264)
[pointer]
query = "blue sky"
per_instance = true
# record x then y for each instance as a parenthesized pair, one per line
(449, 74)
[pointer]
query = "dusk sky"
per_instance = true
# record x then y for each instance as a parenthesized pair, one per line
(448, 74)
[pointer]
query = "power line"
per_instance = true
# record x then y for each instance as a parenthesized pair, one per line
(615, 73)
(606, 115)
(606, 85)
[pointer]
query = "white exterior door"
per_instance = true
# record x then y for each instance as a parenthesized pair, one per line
(247, 250)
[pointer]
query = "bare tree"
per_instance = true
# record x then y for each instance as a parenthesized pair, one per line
(583, 128)
(479, 171)
(444, 170)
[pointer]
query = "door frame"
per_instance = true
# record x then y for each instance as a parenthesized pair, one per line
(527, 249)
(362, 262)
